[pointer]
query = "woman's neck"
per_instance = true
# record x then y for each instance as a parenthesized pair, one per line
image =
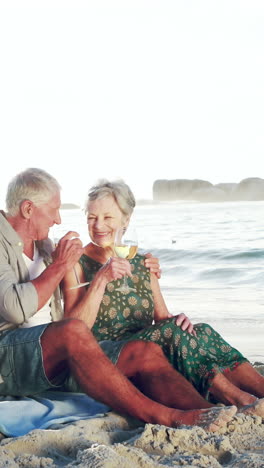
(100, 254)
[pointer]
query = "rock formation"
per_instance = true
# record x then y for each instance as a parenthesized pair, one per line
(251, 189)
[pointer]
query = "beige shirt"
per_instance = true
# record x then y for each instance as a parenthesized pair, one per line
(18, 296)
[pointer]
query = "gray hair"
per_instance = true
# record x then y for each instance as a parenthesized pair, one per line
(32, 184)
(118, 189)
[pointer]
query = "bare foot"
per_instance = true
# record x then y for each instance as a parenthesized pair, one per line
(210, 419)
(256, 408)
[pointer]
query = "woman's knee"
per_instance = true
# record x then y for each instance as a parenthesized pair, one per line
(204, 328)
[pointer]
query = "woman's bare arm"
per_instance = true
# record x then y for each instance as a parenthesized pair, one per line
(84, 304)
(161, 311)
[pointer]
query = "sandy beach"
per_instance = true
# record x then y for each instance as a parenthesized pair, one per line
(112, 441)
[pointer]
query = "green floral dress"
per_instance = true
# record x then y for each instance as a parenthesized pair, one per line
(130, 317)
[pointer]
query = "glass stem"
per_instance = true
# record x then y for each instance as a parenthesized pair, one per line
(125, 281)
(76, 275)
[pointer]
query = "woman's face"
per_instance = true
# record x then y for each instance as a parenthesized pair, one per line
(103, 219)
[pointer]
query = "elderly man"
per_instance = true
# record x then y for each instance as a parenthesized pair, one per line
(56, 352)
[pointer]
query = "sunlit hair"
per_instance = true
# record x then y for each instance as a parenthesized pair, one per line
(118, 189)
(32, 184)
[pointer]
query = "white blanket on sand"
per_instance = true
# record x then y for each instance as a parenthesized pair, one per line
(18, 416)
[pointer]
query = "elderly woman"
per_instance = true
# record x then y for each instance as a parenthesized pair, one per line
(216, 369)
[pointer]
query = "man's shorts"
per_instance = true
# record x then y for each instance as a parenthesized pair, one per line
(21, 363)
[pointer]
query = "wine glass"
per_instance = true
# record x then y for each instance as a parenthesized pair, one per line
(126, 245)
(57, 233)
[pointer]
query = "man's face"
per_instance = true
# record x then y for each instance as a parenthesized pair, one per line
(44, 217)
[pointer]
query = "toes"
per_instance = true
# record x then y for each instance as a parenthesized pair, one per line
(213, 427)
(228, 412)
(217, 417)
(256, 408)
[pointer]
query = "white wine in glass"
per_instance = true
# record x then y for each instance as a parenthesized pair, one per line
(126, 246)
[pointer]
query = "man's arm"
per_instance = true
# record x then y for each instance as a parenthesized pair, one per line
(21, 298)
(18, 301)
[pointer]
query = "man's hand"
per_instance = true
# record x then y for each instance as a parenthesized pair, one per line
(153, 264)
(68, 250)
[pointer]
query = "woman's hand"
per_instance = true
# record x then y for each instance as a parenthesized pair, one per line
(184, 322)
(153, 264)
(115, 268)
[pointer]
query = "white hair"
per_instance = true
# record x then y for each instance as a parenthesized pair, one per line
(118, 189)
(32, 184)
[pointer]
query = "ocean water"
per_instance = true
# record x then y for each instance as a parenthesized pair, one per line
(212, 260)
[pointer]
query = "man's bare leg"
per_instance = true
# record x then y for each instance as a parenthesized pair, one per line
(145, 363)
(70, 344)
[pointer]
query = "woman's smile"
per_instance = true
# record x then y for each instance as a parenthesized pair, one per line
(104, 218)
(101, 235)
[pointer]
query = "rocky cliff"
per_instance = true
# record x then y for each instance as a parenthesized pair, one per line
(251, 189)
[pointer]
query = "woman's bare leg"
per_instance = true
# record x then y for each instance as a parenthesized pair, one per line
(234, 387)
(247, 378)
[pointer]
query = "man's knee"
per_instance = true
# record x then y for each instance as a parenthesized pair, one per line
(137, 355)
(66, 333)
(152, 353)
(63, 341)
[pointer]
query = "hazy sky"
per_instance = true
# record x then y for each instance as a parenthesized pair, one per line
(141, 90)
